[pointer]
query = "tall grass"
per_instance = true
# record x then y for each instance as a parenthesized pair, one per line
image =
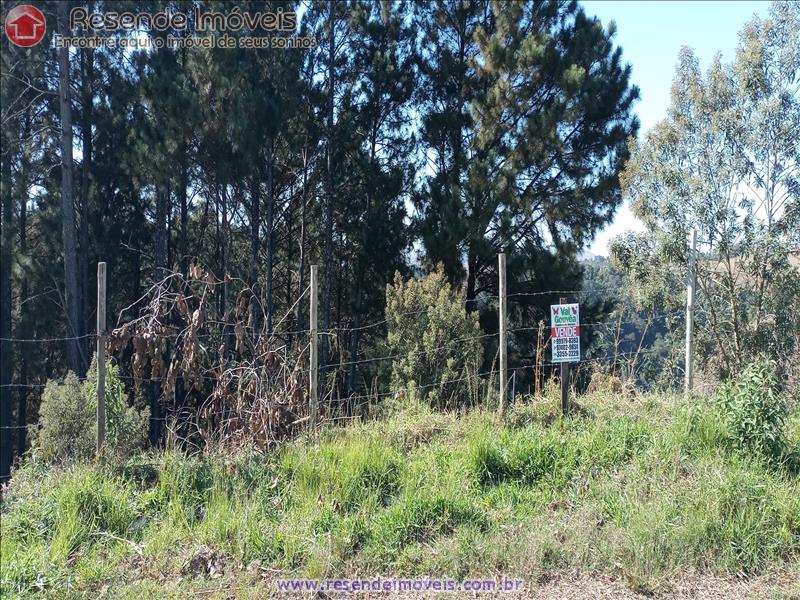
(652, 488)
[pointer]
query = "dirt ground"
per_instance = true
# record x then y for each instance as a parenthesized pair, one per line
(699, 587)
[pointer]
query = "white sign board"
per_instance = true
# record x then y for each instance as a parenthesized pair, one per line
(565, 332)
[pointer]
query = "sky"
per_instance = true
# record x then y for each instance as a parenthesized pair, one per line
(651, 34)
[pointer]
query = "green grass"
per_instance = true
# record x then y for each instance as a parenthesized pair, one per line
(647, 488)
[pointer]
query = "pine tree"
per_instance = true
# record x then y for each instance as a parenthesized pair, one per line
(6, 241)
(380, 107)
(527, 121)
(76, 362)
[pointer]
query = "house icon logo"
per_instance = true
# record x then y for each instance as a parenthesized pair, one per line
(25, 25)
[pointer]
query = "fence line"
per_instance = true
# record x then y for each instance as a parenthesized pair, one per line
(132, 378)
(332, 330)
(370, 396)
(313, 372)
(378, 395)
(446, 345)
(614, 322)
(598, 359)
(55, 339)
(560, 292)
(234, 373)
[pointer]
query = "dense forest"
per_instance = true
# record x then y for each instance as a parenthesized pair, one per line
(409, 135)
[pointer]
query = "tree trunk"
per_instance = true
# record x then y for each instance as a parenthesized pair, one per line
(183, 192)
(6, 348)
(326, 294)
(136, 284)
(74, 359)
(472, 267)
(22, 399)
(361, 268)
(269, 226)
(183, 248)
(225, 246)
(87, 76)
(289, 244)
(159, 272)
(160, 250)
(255, 248)
(183, 201)
(170, 222)
(354, 342)
(302, 275)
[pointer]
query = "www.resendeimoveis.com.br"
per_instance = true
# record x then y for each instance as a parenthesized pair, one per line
(398, 584)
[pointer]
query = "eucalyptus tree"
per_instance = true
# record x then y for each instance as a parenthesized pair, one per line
(726, 161)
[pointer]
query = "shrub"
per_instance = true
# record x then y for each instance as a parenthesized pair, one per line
(126, 426)
(67, 428)
(754, 409)
(68, 419)
(436, 339)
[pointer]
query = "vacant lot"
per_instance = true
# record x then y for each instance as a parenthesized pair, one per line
(630, 495)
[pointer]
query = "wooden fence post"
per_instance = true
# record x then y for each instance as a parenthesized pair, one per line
(101, 356)
(501, 271)
(314, 358)
(690, 287)
(564, 379)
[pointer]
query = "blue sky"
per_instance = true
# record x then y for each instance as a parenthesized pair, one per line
(651, 34)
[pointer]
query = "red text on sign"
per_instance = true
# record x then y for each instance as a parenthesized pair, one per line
(566, 331)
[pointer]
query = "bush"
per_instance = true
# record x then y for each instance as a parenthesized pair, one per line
(68, 419)
(754, 409)
(67, 428)
(126, 426)
(436, 339)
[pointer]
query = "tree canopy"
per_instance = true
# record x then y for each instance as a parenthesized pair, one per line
(726, 162)
(408, 134)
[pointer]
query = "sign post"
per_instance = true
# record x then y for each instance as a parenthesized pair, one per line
(565, 332)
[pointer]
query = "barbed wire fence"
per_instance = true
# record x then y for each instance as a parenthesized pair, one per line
(597, 360)
(306, 340)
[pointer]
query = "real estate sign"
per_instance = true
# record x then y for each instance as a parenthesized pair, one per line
(565, 332)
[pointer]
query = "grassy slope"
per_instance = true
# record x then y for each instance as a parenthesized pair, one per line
(643, 488)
